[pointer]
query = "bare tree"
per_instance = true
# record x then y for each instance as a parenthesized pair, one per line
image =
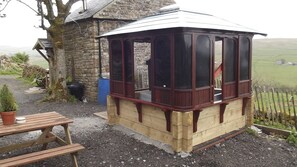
(53, 14)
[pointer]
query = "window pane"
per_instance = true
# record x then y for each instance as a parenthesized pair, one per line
(142, 64)
(162, 61)
(116, 52)
(128, 61)
(203, 58)
(229, 60)
(244, 58)
(183, 62)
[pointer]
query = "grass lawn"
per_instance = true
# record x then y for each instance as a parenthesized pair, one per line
(38, 60)
(265, 54)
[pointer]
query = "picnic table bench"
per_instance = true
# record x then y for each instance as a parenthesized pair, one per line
(44, 122)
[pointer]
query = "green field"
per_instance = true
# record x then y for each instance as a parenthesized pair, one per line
(38, 60)
(266, 52)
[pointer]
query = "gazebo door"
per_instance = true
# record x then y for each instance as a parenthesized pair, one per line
(128, 68)
(142, 65)
(162, 71)
(229, 84)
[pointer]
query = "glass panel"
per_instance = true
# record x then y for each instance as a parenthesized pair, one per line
(116, 52)
(183, 62)
(229, 60)
(162, 61)
(142, 56)
(218, 57)
(203, 58)
(244, 58)
(128, 61)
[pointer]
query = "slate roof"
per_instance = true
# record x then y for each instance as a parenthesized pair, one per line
(93, 7)
(43, 43)
(175, 16)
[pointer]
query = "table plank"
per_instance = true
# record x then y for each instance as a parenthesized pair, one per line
(40, 155)
(35, 122)
(26, 144)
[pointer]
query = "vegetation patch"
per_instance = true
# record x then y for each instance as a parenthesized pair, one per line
(277, 125)
(292, 139)
(251, 131)
(9, 66)
(35, 74)
(20, 58)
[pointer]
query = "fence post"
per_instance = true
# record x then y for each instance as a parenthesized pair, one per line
(274, 105)
(270, 107)
(295, 117)
(284, 108)
(280, 107)
(257, 111)
(289, 108)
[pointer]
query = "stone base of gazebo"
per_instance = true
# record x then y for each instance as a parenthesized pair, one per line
(181, 130)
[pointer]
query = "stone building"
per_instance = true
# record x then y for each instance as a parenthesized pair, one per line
(85, 62)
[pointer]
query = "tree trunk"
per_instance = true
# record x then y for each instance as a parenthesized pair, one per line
(57, 64)
(58, 75)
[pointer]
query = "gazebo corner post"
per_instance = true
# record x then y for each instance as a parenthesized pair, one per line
(187, 129)
(113, 117)
(248, 110)
(182, 131)
(176, 129)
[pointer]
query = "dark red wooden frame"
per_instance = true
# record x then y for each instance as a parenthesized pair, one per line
(183, 99)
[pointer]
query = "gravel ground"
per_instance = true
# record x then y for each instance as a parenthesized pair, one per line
(109, 146)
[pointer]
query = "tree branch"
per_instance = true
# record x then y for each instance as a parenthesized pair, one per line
(60, 7)
(20, 1)
(69, 5)
(50, 10)
(40, 10)
(3, 15)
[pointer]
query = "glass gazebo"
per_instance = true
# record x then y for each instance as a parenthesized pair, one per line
(194, 62)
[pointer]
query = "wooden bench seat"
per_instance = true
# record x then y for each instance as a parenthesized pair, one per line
(40, 155)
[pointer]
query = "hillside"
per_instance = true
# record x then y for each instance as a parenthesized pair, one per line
(10, 50)
(275, 47)
(34, 57)
(266, 53)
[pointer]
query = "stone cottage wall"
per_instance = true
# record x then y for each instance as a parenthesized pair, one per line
(81, 52)
(132, 9)
(82, 47)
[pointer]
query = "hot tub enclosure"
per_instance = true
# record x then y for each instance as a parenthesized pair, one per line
(199, 77)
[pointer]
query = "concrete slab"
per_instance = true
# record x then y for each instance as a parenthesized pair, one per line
(102, 114)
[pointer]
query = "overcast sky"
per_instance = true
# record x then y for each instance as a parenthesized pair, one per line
(277, 18)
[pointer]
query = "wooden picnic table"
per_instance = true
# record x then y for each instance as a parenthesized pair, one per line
(45, 122)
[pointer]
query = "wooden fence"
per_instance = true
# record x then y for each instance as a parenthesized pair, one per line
(275, 106)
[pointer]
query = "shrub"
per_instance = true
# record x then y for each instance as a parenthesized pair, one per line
(8, 67)
(20, 58)
(251, 131)
(36, 74)
(7, 100)
(292, 138)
